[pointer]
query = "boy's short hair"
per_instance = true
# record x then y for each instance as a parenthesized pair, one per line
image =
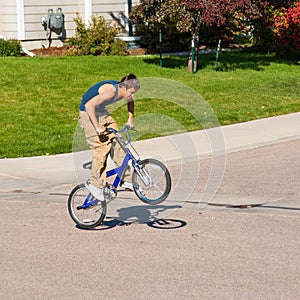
(130, 81)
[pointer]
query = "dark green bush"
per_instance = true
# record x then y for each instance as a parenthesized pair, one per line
(172, 39)
(96, 39)
(10, 47)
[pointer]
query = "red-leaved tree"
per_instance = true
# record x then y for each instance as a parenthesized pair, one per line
(219, 13)
(191, 15)
(216, 11)
(286, 29)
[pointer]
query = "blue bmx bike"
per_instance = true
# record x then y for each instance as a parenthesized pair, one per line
(151, 182)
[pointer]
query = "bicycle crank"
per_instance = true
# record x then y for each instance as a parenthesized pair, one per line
(110, 192)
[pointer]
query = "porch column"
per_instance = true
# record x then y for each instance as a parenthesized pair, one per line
(88, 11)
(20, 19)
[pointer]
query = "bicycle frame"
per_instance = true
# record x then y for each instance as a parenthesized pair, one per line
(88, 202)
(128, 156)
(120, 170)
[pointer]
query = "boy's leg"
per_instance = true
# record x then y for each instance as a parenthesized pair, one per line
(117, 153)
(100, 146)
(89, 130)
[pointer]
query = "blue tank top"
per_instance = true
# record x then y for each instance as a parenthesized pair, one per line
(93, 91)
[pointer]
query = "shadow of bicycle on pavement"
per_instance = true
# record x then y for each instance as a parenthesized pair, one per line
(142, 214)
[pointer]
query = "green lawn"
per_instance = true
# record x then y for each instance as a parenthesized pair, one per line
(40, 96)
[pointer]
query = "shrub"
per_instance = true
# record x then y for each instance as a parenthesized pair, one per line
(96, 39)
(286, 29)
(10, 47)
(172, 39)
(118, 47)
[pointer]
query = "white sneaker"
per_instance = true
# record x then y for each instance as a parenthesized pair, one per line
(126, 185)
(96, 192)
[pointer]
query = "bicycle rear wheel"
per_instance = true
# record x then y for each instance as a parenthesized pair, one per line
(151, 181)
(86, 211)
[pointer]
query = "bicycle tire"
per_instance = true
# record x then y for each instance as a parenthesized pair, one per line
(85, 217)
(157, 178)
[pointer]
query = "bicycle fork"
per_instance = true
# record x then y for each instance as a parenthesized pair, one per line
(143, 173)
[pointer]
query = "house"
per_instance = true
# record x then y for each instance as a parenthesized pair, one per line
(28, 20)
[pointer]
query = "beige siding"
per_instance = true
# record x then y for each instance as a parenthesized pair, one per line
(8, 19)
(34, 10)
(7, 10)
(113, 10)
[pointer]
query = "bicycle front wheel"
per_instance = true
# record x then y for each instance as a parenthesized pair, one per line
(86, 211)
(151, 181)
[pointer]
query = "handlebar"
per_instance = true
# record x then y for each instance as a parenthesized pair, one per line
(125, 129)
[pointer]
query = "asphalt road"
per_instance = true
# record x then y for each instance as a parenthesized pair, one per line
(241, 244)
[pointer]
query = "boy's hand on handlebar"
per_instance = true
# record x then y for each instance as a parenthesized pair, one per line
(101, 130)
(130, 124)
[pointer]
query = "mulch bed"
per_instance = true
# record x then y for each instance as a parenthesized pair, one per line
(61, 51)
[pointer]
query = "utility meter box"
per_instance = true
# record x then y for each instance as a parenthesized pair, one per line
(56, 20)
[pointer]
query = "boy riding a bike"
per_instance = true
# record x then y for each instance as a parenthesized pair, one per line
(94, 119)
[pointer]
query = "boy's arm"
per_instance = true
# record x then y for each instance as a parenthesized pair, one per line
(130, 107)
